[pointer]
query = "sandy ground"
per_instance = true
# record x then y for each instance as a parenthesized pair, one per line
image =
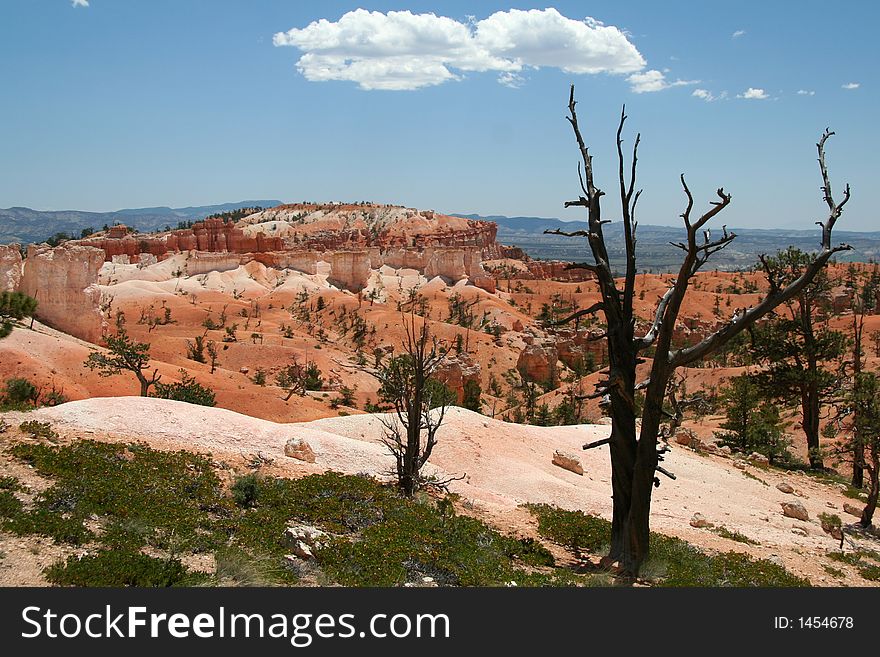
(503, 464)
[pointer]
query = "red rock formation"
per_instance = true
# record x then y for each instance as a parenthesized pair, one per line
(213, 235)
(537, 362)
(456, 370)
(556, 270)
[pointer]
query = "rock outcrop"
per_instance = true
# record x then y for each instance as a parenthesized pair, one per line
(203, 262)
(568, 461)
(10, 267)
(297, 448)
(795, 510)
(453, 264)
(350, 270)
(698, 521)
(292, 236)
(537, 362)
(63, 280)
(301, 261)
(213, 235)
(456, 370)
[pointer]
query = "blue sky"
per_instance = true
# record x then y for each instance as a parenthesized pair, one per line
(178, 102)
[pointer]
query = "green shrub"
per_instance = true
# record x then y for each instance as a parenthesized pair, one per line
(572, 529)
(186, 390)
(51, 523)
(10, 505)
(172, 494)
(245, 491)
(671, 561)
(237, 567)
(37, 429)
(830, 521)
(870, 571)
(10, 483)
(21, 391)
(121, 568)
(724, 532)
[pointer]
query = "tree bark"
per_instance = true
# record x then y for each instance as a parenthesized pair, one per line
(810, 412)
(858, 472)
(874, 492)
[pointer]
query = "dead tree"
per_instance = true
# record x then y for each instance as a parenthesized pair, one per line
(634, 459)
(418, 401)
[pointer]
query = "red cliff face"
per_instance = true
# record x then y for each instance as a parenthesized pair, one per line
(212, 235)
(436, 244)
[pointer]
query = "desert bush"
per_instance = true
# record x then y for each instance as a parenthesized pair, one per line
(245, 491)
(121, 568)
(21, 391)
(37, 429)
(671, 561)
(186, 390)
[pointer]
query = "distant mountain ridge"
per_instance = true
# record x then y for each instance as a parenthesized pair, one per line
(655, 252)
(24, 225)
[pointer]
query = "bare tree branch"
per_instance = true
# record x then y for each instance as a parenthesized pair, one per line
(777, 296)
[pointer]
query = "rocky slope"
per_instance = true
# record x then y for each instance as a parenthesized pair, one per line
(504, 465)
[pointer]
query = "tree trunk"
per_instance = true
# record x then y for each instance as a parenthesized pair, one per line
(871, 505)
(145, 384)
(810, 411)
(858, 473)
(623, 456)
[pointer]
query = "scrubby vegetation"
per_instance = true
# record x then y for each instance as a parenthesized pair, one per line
(142, 512)
(186, 390)
(143, 515)
(671, 561)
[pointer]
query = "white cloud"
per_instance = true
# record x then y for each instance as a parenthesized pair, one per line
(738, 34)
(806, 92)
(80, 3)
(402, 50)
(708, 96)
(653, 80)
(512, 80)
(851, 85)
(754, 94)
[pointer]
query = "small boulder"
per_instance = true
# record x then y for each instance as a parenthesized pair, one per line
(785, 487)
(302, 550)
(755, 457)
(852, 510)
(685, 437)
(297, 448)
(795, 510)
(304, 539)
(244, 370)
(739, 464)
(800, 531)
(699, 521)
(725, 450)
(568, 461)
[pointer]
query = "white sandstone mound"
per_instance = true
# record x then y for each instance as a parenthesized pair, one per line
(503, 465)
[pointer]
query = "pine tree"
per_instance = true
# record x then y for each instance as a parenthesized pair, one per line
(124, 355)
(13, 306)
(798, 346)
